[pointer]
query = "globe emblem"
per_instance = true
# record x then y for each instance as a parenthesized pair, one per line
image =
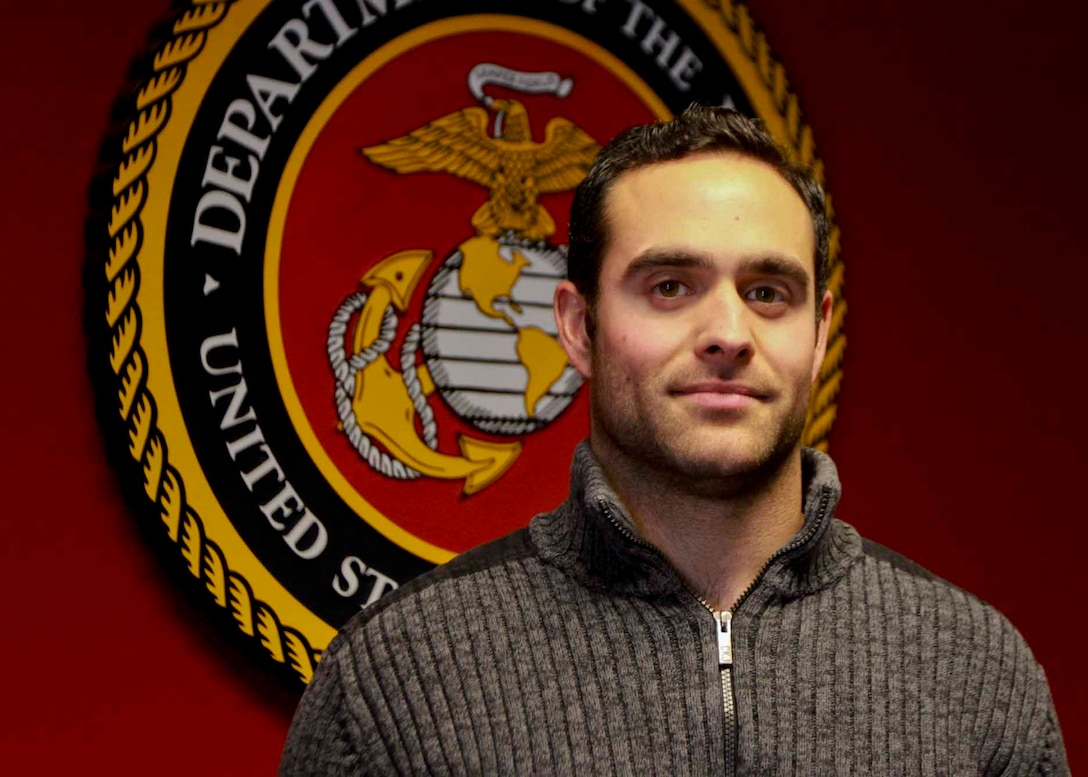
(486, 331)
(489, 337)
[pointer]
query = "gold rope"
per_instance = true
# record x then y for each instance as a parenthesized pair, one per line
(147, 446)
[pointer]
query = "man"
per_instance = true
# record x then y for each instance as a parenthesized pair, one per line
(693, 607)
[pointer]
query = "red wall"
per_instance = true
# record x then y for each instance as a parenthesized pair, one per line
(952, 137)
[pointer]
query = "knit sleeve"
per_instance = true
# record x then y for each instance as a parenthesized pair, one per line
(1051, 760)
(1024, 738)
(320, 740)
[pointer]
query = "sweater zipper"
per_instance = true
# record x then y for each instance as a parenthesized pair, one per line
(723, 620)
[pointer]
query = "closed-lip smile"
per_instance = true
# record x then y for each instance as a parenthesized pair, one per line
(721, 394)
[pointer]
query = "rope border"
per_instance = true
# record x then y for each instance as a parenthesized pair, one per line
(146, 445)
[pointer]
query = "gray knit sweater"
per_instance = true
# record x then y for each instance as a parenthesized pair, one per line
(572, 648)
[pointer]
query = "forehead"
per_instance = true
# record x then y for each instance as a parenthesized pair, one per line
(721, 205)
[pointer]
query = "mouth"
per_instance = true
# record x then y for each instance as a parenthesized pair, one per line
(721, 395)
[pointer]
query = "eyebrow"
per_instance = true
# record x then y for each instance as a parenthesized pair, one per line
(775, 265)
(779, 266)
(657, 259)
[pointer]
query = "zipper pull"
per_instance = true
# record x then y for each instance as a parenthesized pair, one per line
(725, 637)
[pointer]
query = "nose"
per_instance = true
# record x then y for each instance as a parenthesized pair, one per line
(724, 333)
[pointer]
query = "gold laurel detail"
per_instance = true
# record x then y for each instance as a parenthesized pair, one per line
(268, 631)
(242, 606)
(158, 88)
(298, 653)
(171, 504)
(822, 407)
(146, 126)
(148, 447)
(215, 575)
(132, 169)
(126, 206)
(130, 383)
(154, 461)
(179, 51)
(191, 541)
(124, 337)
(122, 250)
(203, 15)
(121, 293)
(143, 416)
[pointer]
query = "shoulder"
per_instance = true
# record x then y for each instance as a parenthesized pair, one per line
(483, 561)
(376, 670)
(908, 586)
(971, 651)
(941, 622)
(479, 593)
(898, 562)
(479, 578)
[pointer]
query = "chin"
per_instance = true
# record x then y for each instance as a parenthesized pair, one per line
(736, 458)
(726, 464)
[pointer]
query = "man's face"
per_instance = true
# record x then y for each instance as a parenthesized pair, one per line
(706, 339)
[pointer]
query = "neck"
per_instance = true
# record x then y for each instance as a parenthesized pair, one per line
(717, 539)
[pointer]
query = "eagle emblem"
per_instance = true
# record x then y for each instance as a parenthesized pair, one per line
(509, 163)
(487, 339)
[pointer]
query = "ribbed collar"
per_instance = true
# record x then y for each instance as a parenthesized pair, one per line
(591, 537)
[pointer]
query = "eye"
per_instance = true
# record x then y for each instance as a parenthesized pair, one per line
(767, 295)
(670, 289)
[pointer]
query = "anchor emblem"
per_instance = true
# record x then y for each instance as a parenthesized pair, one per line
(486, 334)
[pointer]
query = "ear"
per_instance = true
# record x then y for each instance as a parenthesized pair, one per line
(822, 327)
(571, 310)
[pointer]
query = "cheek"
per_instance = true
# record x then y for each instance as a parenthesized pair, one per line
(639, 349)
(792, 354)
(635, 341)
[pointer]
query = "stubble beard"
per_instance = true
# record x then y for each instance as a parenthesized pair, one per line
(654, 443)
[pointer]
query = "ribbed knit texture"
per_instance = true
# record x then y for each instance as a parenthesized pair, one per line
(567, 648)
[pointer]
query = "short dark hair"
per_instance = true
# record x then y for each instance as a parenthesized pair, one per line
(698, 130)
